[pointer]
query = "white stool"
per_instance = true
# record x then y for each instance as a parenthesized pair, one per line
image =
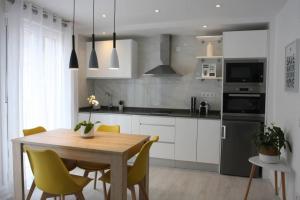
(281, 167)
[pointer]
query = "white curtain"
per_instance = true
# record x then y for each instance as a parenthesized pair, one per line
(40, 88)
(46, 79)
(9, 93)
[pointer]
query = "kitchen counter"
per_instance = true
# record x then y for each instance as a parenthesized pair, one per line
(154, 112)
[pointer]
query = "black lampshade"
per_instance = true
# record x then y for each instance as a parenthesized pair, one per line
(73, 59)
(73, 64)
(93, 59)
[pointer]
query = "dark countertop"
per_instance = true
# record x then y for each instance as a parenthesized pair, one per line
(154, 112)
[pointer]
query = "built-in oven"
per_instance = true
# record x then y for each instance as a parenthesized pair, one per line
(244, 72)
(244, 104)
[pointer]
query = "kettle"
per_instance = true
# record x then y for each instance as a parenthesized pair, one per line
(203, 108)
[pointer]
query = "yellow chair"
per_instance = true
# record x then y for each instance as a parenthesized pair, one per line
(52, 177)
(70, 164)
(95, 167)
(136, 172)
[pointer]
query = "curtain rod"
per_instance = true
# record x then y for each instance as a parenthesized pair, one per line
(45, 13)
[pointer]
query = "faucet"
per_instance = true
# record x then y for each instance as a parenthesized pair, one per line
(110, 104)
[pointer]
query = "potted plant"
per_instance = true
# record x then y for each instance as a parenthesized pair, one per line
(269, 141)
(86, 128)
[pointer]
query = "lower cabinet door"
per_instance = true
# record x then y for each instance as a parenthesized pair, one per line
(162, 150)
(208, 142)
(186, 139)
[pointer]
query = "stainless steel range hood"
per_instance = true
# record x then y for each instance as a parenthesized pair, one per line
(164, 69)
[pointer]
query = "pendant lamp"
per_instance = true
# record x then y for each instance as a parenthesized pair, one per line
(93, 63)
(73, 60)
(114, 60)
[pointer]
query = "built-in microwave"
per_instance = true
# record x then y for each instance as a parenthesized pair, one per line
(245, 72)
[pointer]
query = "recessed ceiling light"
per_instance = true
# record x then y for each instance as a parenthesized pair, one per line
(204, 26)
(103, 15)
(156, 10)
(218, 5)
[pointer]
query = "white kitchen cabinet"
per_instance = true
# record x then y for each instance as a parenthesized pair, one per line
(164, 127)
(127, 53)
(135, 124)
(111, 119)
(245, 44)
(186, 139)
(208, 141)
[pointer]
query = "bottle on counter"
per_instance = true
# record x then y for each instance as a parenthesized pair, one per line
(193, 104)
(121, 106)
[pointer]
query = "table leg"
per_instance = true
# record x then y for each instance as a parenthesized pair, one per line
(283, 186)
(119, 178)
(253, 168)
(18, 170)
(276, 182)
(145, 182)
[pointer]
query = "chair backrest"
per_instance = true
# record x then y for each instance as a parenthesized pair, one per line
(109, 128)
(50, 174)
(138, 170)
(33, 131)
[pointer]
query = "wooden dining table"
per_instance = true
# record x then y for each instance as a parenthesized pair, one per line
(113, 149)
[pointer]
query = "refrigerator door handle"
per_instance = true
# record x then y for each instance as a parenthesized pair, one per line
(223, 132)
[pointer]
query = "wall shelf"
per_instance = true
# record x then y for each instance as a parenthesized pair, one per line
(209, 57)
(212, 78)
(210, 38)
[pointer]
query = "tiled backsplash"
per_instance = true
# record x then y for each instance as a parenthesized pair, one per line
(163, 92)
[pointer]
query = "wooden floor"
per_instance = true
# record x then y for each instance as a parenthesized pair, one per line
(181, 184)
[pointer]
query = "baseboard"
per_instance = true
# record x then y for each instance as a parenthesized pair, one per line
(184, 164)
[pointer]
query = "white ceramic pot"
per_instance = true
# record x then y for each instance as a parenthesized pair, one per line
(86, 135)
(269, 159)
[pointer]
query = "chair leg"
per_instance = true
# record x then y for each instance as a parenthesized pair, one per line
(108, 195)
(44, 196)
(132, 190)
(32, 187)
(142, 189)
(86, 173)
(104, 186)
(79, 196)
(95, 181)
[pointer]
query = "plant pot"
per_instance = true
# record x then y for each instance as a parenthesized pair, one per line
(86, 135)
(269, 155)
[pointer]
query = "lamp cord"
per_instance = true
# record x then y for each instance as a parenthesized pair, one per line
(114, 15)
(73, 16)
(93, 16)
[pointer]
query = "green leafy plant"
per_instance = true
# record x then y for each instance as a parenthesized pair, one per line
(88, 124)
(270, 140)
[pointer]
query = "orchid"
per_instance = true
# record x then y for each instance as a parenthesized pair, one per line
(88, 124)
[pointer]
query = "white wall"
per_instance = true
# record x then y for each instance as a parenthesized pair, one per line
(2, 65)
(284, 107)
(84, 85)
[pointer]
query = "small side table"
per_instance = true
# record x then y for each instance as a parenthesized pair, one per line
(281, 167)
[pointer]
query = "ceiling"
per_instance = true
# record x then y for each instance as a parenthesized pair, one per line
(137, 17)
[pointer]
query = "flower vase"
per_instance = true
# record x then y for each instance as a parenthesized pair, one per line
(90, 134)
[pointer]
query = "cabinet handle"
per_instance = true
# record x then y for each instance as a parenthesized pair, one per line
(223, 132)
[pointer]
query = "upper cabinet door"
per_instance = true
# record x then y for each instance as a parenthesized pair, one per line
(245, 44)
(127, 53)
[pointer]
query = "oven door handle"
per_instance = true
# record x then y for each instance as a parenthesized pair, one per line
(223, 132)
(244, 95)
